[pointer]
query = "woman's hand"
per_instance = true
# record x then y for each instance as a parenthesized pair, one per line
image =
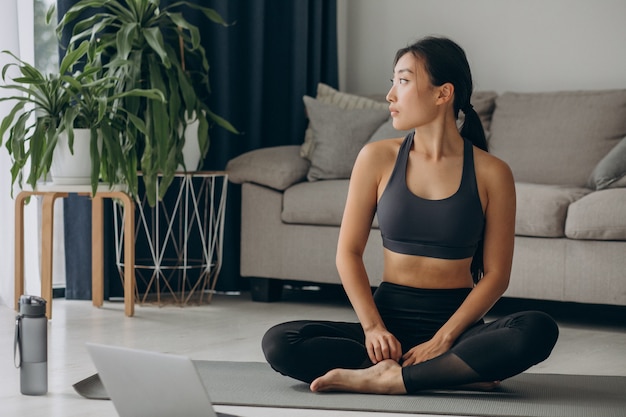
(382, 345)
(424, 351)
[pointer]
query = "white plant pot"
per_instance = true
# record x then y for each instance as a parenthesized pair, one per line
(191, 148)
(68, 168)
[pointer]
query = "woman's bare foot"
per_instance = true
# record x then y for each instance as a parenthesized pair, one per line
(383, 378)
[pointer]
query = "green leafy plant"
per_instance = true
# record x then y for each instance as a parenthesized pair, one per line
(146, 46)
(48, 105)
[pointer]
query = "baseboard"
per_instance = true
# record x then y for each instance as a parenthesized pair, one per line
(58, 292)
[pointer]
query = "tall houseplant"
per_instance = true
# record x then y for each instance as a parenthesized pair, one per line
(50, 105)
(148, 46)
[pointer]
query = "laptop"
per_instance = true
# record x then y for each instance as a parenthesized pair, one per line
(143, 383)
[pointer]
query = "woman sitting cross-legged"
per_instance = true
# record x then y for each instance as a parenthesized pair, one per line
(446, 212)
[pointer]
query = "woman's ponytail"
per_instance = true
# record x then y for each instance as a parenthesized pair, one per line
(472, 128)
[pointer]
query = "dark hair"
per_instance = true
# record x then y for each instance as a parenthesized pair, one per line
(445, 62)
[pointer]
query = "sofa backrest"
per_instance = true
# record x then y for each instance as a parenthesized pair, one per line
(558, 137)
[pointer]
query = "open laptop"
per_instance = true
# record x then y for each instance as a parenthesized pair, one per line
(142, 383)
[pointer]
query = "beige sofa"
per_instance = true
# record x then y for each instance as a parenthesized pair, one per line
(567, 151)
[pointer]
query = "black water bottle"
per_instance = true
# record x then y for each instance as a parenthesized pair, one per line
(31, 344)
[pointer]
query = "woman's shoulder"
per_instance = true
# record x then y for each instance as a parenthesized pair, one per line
(489, 161)
(382, 149)
(377, 158)
(491, 169)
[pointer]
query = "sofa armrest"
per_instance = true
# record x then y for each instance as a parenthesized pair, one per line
(276, 167)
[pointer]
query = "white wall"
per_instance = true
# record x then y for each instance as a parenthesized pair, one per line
(532, 45)
(15, 14)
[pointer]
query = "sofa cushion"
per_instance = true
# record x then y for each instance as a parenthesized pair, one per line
(339, 136)
(557, 138)
(319, 203)
(276, 167)
(328, 95)
(621, 183)
(611, 169)
(542, 209)
(600, 215)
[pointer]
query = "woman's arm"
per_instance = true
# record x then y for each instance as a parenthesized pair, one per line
(355, 229)
(499, 189)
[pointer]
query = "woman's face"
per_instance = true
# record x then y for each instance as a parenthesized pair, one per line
(412, 97)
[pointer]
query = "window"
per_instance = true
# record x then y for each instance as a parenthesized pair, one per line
(46, 58)
(46, 46)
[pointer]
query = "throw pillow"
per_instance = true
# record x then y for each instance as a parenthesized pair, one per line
(611, 169)
(339, 136)
(329, 95)
(278, 167)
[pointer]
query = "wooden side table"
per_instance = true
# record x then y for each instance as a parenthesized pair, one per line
(50, 193)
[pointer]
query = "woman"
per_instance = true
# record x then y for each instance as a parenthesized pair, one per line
(446, 211)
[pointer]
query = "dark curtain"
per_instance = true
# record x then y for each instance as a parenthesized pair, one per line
(272, 53)
(76, 217)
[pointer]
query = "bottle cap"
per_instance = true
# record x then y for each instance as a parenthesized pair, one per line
(32, 306)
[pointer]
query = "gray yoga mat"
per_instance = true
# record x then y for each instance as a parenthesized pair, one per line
(255, 384)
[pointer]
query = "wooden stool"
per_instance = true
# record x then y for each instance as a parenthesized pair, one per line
(50, 193)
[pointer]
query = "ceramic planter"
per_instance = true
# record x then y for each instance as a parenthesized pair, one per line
(68, 168)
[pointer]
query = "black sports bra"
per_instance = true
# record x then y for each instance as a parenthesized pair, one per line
(450, 228)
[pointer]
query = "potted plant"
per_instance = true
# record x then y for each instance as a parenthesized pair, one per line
(148, 46)
(51, 107)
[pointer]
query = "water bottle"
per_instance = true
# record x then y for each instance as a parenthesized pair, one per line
(31, 345)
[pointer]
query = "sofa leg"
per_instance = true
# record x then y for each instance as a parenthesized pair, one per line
(266, 289)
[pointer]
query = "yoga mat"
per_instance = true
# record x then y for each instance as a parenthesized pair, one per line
(255, 384)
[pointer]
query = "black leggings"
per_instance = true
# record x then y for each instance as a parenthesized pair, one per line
(493, 351)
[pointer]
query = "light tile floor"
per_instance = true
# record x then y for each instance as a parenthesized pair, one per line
(592, 341)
